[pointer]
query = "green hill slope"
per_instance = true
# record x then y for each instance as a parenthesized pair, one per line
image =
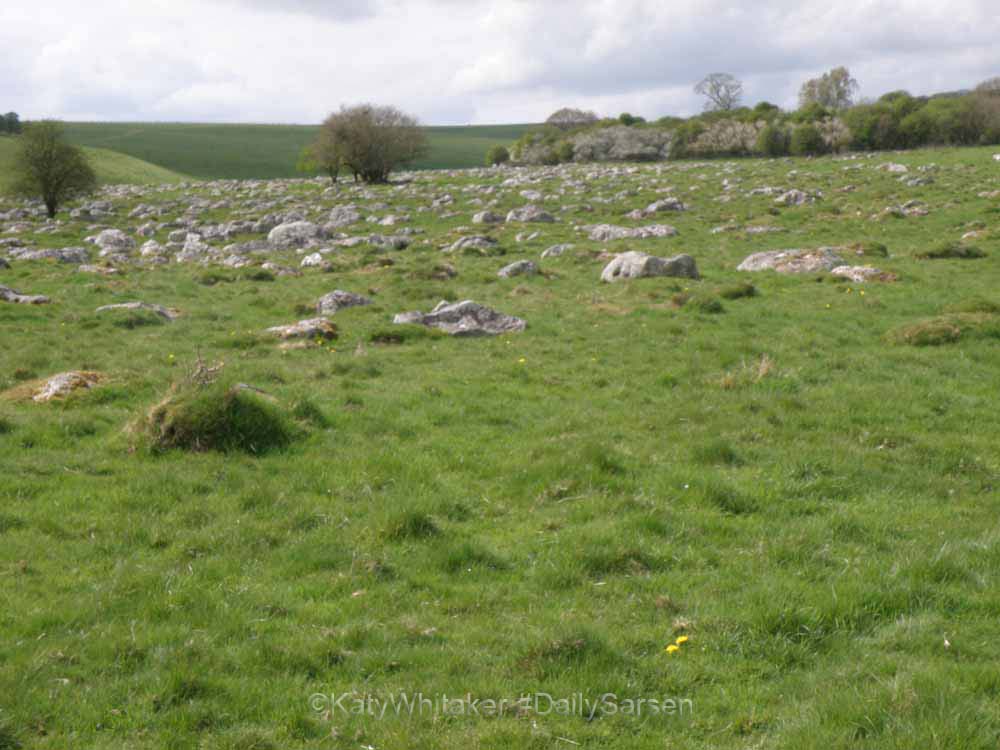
(112, 168)
(264, 151)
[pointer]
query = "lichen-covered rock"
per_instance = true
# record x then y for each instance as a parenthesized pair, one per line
(794, 198)
(466, 318)
(556, 250)
(634, 265)
(164, 312)
(314, 328)
(609, 232)
(861, 274)
(294, 235)
(63, 384)
(487, 217)
(338, 299)
(530, 214)
(62, 254)
(114, 241)
(9, 295)
(793, 261)
(474, 245)
(518, 268)
(343, 216)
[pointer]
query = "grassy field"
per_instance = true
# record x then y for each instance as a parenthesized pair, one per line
(265, 151)
(112, 167)
(798, 477)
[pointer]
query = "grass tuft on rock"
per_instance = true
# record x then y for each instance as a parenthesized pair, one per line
(215, 417)
(952, 250)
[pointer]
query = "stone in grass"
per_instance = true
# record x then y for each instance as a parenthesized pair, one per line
(518, 268)
(314, 328)
(475, 245)
(9, 295)
(609, 232)
(530, 214)
(63, 384)
(4, 264)
(634, 265)
(294, 235)
(793, 261)
(164, 312)
(861, 274)
(556, 250)
(338, 299)
(466, 318)
(487, 217)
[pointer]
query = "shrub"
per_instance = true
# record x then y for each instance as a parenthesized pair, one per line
(497, 155)
(373, 141)
(727, 137)
(564, 151)
(47, 167)
(619, 143)
(773, 140)
(807, 141)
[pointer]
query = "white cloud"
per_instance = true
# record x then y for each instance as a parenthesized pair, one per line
(455, 61)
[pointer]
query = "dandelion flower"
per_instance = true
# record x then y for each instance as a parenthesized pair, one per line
(673, 648)
(522, 360)
(681, 640)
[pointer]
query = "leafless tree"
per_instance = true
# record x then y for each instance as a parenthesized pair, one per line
(722, 91)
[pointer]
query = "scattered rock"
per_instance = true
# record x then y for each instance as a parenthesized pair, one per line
(530, 213)
(113, 241)
(9, 295)
(487, 217)
(518, 268)
(794, 198)
(793, 261)
(343, 216)
(609, 232)
(474, 245)
(465, 318)
(294, 235)
(63, 384)
(337, 300)
(314, 328)
(164, 312)
(861, 274)
(634, 265)
(556, 250)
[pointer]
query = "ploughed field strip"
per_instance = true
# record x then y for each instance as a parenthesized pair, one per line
(723, 432)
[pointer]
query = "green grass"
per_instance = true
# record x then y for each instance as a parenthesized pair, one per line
(112, 168)
(808, 494)
(265, 151)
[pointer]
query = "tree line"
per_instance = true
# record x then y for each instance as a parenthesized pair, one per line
(828, 118)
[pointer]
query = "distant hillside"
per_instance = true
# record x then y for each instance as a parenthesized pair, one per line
(264, 151)
(112, 168)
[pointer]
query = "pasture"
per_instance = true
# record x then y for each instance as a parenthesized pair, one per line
(772, 495)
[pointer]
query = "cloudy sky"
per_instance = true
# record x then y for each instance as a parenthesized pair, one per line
(466, 61)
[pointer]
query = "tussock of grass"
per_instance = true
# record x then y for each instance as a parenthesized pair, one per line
(741, 290)
(955, 250)
(869, 250)
(215, 417)
(946, 329)
(410, 525)
(748, 373)
(403, 334)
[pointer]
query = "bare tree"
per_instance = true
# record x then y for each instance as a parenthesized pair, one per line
(568, 118)
(370, 141)
(47, 167)
(989, 87)
(722, 91)
(834, 90)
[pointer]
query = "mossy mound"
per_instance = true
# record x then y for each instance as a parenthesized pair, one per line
(216, 417)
